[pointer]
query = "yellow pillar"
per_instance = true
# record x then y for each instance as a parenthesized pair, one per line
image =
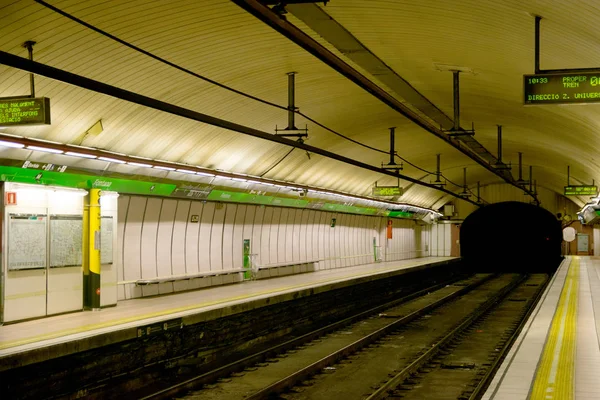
(91, 250)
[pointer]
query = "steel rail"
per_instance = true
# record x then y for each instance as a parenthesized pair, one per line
(113, 91)
(401, 376)
(352, 348)
(239, 365)
(296, 35)
(491, 371)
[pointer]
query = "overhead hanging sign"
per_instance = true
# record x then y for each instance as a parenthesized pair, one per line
(387, 191)
(581, 190)
(24, 111)
(562, 88)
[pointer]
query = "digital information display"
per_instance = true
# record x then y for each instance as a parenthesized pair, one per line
(562, 88)
(581, 190)
(387, 191)
(25, 111)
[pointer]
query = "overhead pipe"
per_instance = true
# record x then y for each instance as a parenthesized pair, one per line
(438, 172)
(530, 178)
(291, 101)
(265, 14)
(499, 145)
(392, 145)
(456, 92)
(99, 87)
(520, 167)
(29, 46)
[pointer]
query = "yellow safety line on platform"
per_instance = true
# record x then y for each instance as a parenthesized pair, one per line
(84, 328)
(554, 379)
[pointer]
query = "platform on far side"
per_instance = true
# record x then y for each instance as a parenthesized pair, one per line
(55, 336)
(557, 354)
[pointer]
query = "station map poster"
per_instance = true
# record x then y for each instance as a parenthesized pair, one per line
(106, 240)
(65, 240)
(26, 241)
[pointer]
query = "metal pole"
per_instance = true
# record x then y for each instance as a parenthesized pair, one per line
(520, 167)
(535, 186)
(499, 144)
(456, 85)
(530, 178)
(478, 192)
(29, 46)
(537, 44)
(465, 180)
(438, 173)
(392, 145)
(291, 100)
(568, 175)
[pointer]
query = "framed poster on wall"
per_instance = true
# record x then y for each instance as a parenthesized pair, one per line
(26, 241)
(66, 241)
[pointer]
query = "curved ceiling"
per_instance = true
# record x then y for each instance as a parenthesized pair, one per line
(219, 40)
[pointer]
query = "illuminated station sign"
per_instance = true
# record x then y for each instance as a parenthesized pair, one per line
(387, 191)
(562, 88)
(24, 111)
(581, 190)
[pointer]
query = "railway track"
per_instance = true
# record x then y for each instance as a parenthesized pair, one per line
(387, 351)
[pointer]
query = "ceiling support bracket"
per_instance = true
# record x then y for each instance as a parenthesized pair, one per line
(291, 131)
(29, 46)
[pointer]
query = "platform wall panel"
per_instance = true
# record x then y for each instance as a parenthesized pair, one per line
(161, 238)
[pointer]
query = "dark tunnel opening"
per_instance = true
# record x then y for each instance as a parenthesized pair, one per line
(511, 237)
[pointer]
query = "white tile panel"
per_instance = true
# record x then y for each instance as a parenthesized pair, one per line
(216, 238)
(204, 244)
(238, 237)
(164, 243)
(228, 240)
(192, 239)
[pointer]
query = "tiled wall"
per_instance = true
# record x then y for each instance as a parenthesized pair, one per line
(159, 238)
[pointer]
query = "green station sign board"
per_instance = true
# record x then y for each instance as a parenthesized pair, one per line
(581, 190)
(46, 174)
(24, 111)
(562, 88)
(387, 191)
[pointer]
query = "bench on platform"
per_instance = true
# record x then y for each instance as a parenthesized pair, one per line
(283, 269)
(176, 278)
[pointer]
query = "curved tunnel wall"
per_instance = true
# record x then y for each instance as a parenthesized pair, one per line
(511, 236)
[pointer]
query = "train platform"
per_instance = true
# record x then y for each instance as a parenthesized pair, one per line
(557, 354)
(39, 340)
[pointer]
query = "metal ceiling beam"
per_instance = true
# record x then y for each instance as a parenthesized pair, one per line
(99, 87)
(281, 25)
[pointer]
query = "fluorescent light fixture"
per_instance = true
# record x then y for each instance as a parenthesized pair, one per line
(11, 144)
(74, 154)
(113, 160)
(186, 171)
(256, 182)
(137, 164)
(239, 179)
(204, 174)
(164, 168)
(45, 149)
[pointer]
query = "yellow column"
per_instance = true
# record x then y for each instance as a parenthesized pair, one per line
(91, 249)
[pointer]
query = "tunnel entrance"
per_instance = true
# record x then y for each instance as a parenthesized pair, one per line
(511, 237)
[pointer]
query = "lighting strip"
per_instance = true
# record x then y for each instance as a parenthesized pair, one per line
(13, 141)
